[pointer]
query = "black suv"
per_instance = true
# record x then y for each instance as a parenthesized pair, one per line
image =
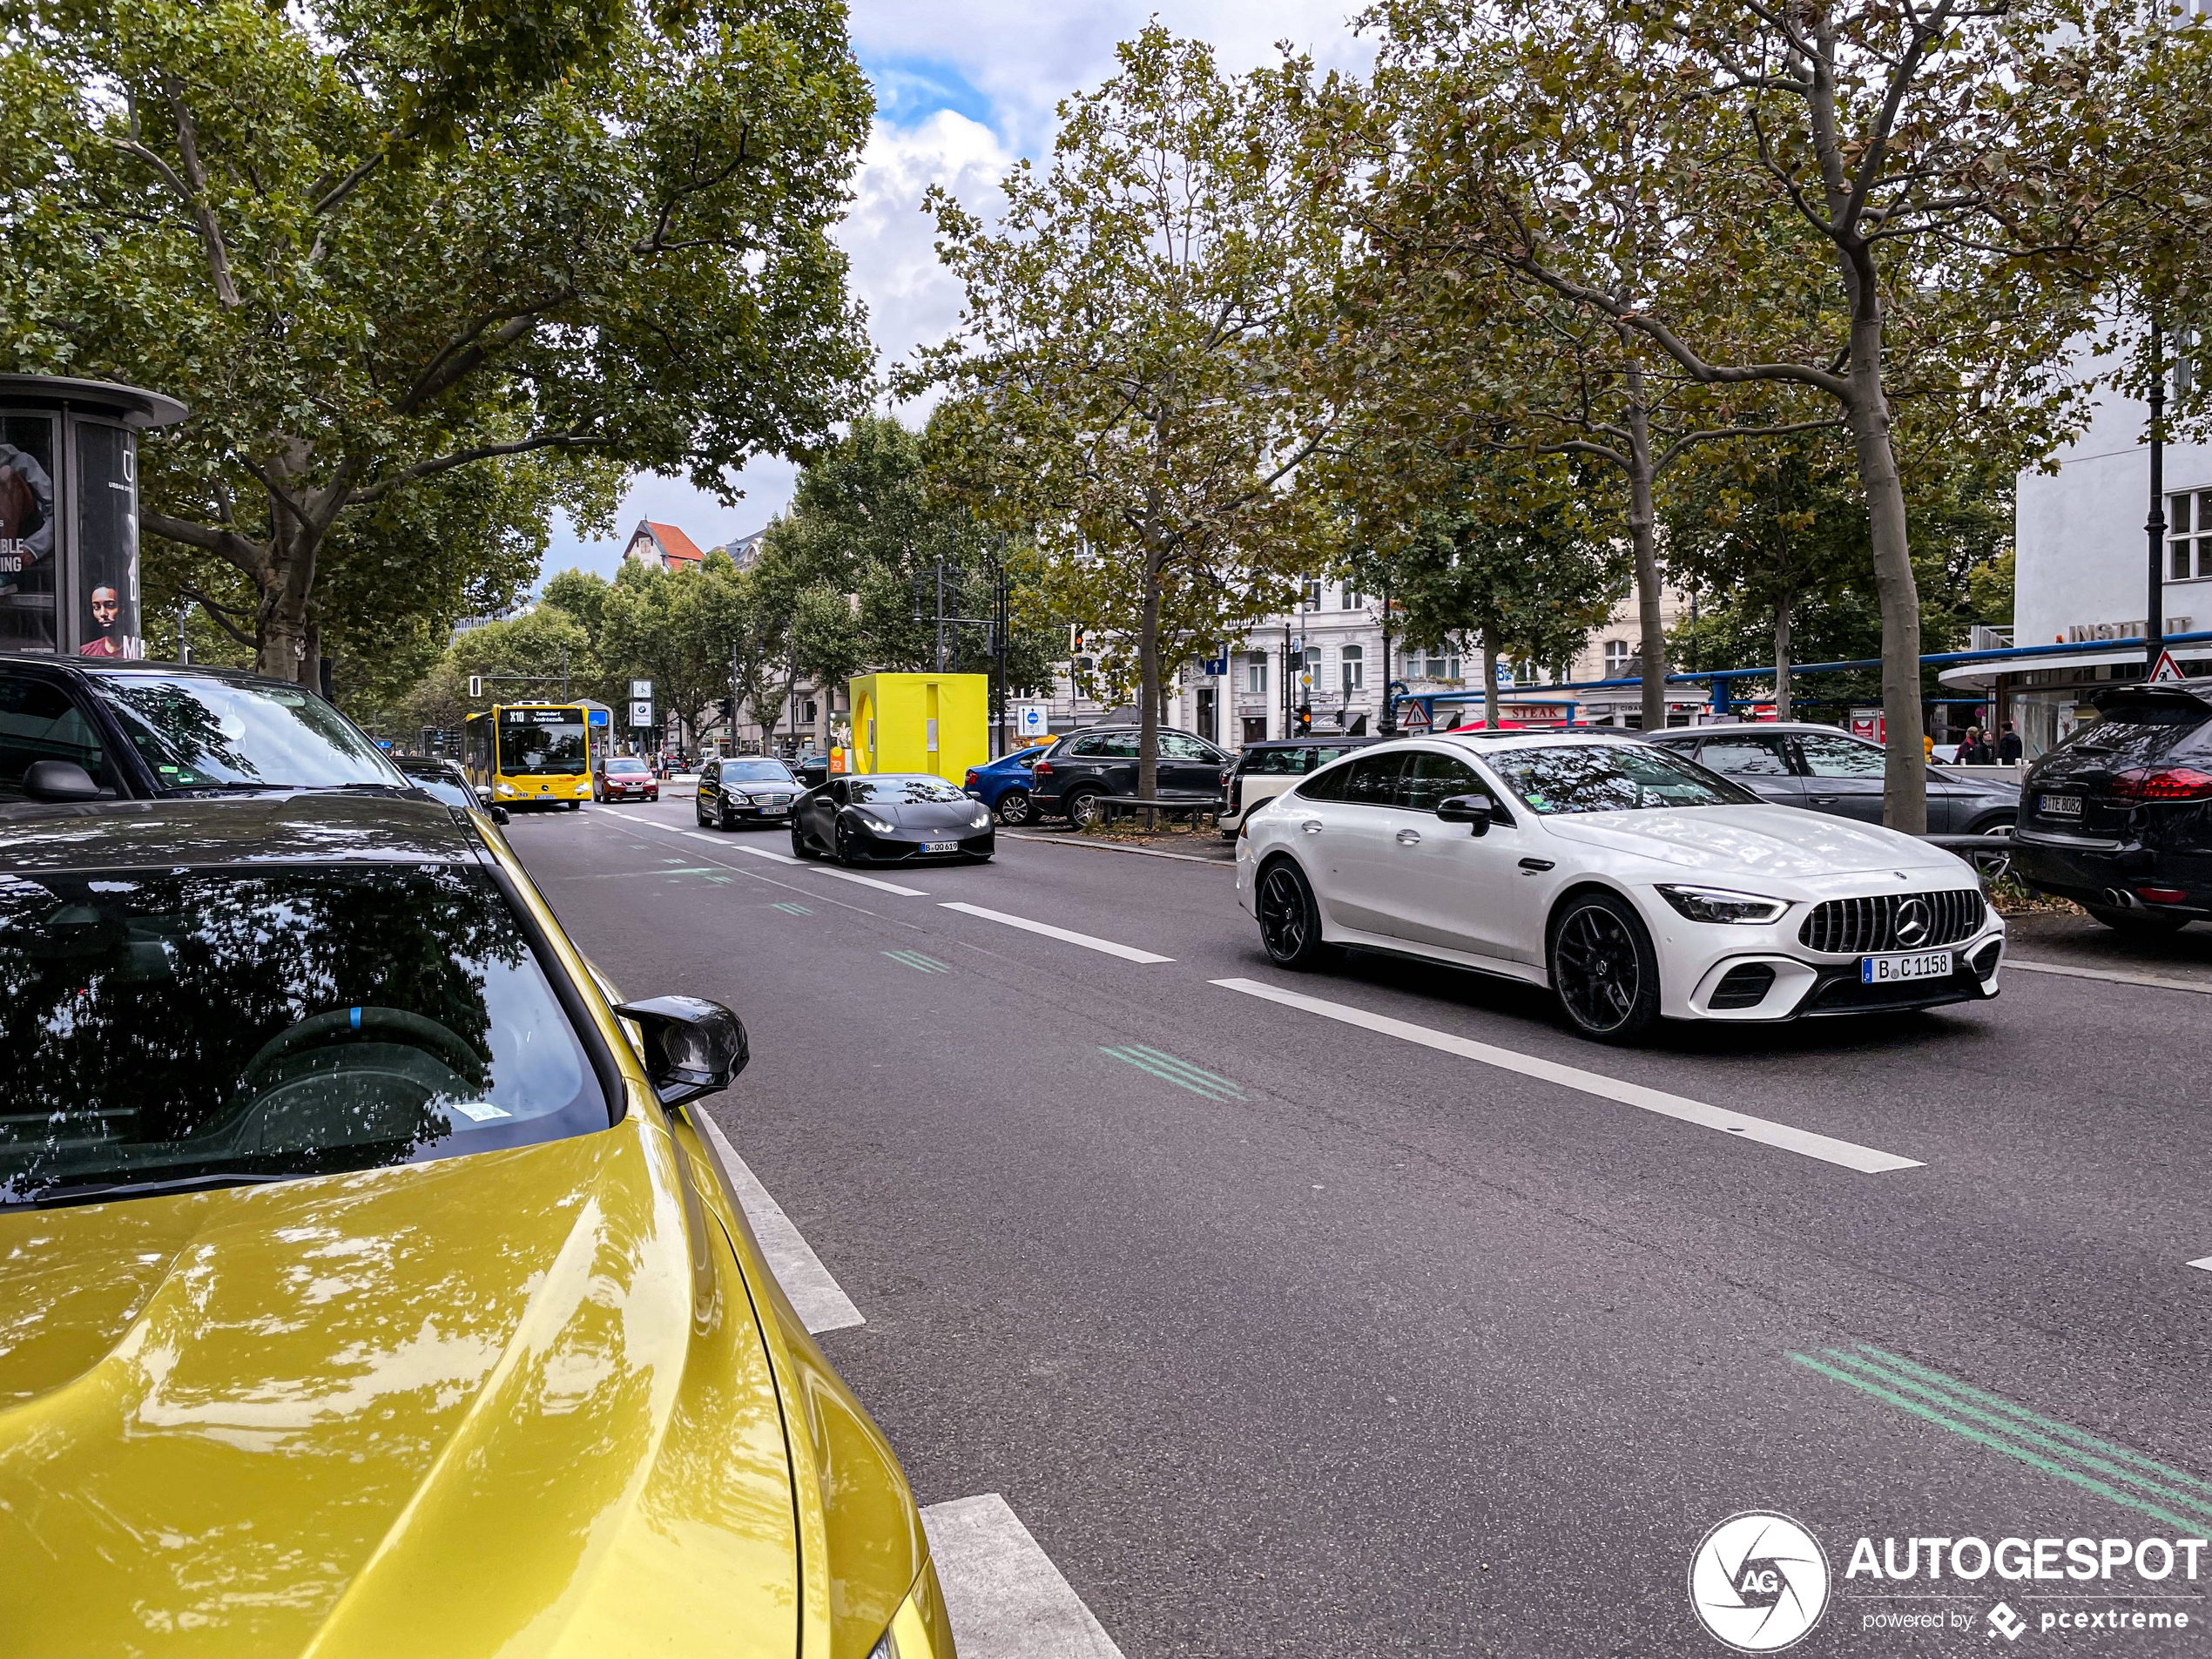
(1081, 766)
(136, 730)
(2119, 817)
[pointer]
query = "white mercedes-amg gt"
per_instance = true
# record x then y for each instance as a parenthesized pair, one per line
(1635, 883)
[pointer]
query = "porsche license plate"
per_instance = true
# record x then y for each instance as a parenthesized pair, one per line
(940, 846)
(1893, 970)
(2059, 806)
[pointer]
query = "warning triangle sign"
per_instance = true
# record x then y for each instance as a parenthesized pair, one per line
(2167, 673)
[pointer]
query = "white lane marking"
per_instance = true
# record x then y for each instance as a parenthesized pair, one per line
(1851, 1156)
(2111, 975)
(1108, 847)
(1126, 953)
(820, 1300)
(1006, 1598)
(2204, 1262)
(842, 876)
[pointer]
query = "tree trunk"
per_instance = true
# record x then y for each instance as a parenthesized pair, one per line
(1643, 543)
(1490, 679)
(1866, 414)
(1782, 656)
(1148, 660)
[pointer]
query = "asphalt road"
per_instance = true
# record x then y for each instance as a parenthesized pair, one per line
(1284, 1334)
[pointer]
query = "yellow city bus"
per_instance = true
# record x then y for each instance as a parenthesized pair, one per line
(531, 753)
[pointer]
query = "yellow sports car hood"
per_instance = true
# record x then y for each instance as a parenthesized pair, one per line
(508, 1403)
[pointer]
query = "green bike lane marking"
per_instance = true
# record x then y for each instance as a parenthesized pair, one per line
(792, 909)
(1181, 1073)
(916, 960)
(2013, 1431)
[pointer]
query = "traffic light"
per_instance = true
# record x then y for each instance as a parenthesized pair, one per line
(1079, 639)
(476, 686)
(1305, 721)
(728, 706)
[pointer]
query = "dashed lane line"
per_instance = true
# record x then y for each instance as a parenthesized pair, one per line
(876, 883)
(2204, 1262)
(1089, 941)
(819, 1299)
(1864, 1159)
(1005, 1599)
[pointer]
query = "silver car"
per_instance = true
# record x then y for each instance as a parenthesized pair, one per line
(1830, 771)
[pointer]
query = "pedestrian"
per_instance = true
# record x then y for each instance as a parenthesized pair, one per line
(2009, 746)
(1976, 750)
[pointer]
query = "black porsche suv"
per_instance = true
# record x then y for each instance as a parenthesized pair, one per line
(2119, 817)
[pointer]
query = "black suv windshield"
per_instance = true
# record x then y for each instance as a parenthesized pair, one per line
(197, 1027)
(1595, 778)
(196, 732)
(2137, 732)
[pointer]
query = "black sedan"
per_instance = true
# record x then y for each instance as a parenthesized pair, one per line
(2119, 817)
(891, 817)
(751, 789)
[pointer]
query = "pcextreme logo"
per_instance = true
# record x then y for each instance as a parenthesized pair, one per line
(1758, 1581)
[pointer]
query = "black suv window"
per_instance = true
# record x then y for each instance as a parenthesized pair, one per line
(1278, 763)
(188, 1028)
(40, 721)
(199, 732)
(2140, 732)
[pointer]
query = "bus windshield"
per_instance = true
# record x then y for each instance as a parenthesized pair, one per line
(541, 741)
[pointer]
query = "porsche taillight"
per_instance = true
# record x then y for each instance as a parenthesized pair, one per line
(2162, 783)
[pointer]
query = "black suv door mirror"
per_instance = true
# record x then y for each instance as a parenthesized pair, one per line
(692, 1047)
(1476, 812)
(59, 781)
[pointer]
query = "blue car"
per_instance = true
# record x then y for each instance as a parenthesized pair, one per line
(1003, 785)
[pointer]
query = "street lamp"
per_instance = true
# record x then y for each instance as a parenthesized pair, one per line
(2155, 526)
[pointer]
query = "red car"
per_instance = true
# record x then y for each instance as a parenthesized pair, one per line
(624, 778)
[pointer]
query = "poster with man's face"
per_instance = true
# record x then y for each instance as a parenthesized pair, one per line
(27, 619)
(107, 547)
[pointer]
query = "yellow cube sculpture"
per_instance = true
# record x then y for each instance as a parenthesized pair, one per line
(937, 723)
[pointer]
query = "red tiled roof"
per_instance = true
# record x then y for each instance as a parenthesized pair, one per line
(674, 543)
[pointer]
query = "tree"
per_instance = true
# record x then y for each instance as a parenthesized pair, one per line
(373, 249)
(1831, 202)
(1133, 379)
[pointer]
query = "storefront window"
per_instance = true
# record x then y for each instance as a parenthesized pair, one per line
(28, 493)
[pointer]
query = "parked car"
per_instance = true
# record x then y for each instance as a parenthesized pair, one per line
(417, 1294)
(1071, 775)
(1633, 882)
(2119, 815)
(753, 789)
(1264, 771)
(624, 778)
(1004, 785)
(891, 817)
(139, 730)
(444, 780)
(1830, 771)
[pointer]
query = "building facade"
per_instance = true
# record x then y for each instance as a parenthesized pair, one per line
(2082, 573)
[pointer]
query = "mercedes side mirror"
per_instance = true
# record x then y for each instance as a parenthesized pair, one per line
(692, 1047)
(483, 794)
(1476, 811)
(59, 781)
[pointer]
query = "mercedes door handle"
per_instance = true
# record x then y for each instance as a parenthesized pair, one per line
(1823, 800)
(1409, 838)
(1311, 826)
(1535, 865)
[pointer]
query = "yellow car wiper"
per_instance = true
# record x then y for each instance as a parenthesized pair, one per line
(54, 1198)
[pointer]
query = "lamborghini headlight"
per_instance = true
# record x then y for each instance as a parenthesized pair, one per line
(877, 825)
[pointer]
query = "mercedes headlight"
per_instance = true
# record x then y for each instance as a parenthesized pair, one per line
(1718, 904)
(506, 789)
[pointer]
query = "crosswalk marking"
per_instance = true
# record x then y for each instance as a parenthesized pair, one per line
(1864, 1159)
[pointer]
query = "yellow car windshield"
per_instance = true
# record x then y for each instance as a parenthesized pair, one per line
(192, 1028)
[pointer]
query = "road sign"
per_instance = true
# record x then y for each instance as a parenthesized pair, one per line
(641, 716)
(641, 690)
(597, 717)
(2168, 672)
(1032, 720)
(1215, 667)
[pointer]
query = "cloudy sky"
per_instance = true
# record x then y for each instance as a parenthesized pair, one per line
(962, 90)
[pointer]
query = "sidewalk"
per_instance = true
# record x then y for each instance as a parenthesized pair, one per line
(2078, 941)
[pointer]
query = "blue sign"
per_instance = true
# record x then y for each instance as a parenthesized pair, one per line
(597, 717)
(1216, 666)
(383, 743)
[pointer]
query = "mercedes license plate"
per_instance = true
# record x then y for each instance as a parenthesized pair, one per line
(1893, 970)
(2059, 806)
(940, 846)
(774, 809)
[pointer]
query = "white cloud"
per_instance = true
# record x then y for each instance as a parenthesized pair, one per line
(1020, 59)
